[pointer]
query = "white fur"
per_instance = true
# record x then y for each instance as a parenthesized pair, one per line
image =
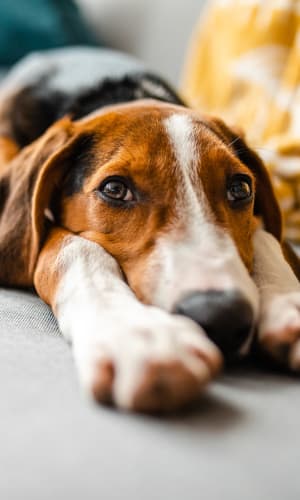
(180, 129)
(102, 318)
(279, 288)
(194, 254)
(157, 90)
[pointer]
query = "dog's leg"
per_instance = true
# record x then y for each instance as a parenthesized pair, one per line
(134, 355)
(279, 324)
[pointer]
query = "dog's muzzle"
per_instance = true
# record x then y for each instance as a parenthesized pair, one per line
(225, 316)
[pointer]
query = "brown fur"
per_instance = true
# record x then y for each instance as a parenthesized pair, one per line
(128, 140)
(27, 183)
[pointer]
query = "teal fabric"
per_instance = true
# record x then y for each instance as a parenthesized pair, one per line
(31, 25)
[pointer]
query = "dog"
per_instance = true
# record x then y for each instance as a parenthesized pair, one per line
(152, 231)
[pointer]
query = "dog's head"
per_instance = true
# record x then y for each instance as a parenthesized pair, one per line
(174, 196)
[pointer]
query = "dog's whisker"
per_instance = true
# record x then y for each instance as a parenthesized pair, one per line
(241, 150)
(234, 141)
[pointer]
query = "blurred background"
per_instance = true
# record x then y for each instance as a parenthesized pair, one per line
(156, 31)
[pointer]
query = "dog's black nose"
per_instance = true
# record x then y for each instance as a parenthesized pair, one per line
(226, 317)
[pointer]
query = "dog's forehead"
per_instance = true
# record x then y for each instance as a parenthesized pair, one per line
(185, 136)
(163, 148)
(146, 113)
(153, 129)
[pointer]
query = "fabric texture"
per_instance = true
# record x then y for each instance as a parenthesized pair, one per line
(239, 441)
(39, 24)
(24, 311)
(243, 64)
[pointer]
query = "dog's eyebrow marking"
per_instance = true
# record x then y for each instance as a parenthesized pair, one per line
(181, 131)
(81, 165)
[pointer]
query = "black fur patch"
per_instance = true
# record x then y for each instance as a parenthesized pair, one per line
(81, 165)
(111, 91)
(4, 191)
(32, 112)
(36, 107)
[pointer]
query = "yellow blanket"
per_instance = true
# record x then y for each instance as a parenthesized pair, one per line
(244, 64)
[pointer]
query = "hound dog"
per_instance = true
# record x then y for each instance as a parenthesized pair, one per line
(152, 231)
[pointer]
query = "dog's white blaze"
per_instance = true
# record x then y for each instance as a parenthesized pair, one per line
(180, 129)
(101, 317)
(189, 265)
(196, 254)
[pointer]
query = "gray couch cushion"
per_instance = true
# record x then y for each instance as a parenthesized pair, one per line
(22, 311)
(241, 441)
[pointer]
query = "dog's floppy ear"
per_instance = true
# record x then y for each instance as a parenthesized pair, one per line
(266, 205)
(26, 187)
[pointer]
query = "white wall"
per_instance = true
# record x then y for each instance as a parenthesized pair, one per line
(156, 31)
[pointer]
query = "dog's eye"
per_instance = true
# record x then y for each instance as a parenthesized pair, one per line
(239, 189)
(115, 190)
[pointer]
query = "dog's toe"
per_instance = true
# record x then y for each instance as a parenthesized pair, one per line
(167, 386)
(294, 357)
(165, 370)
(279, 330)
(102, 383)
(157, 366)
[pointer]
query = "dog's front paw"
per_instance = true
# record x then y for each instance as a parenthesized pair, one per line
(156, 362)
(279, 329)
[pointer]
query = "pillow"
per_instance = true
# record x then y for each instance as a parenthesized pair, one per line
(39, 24)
